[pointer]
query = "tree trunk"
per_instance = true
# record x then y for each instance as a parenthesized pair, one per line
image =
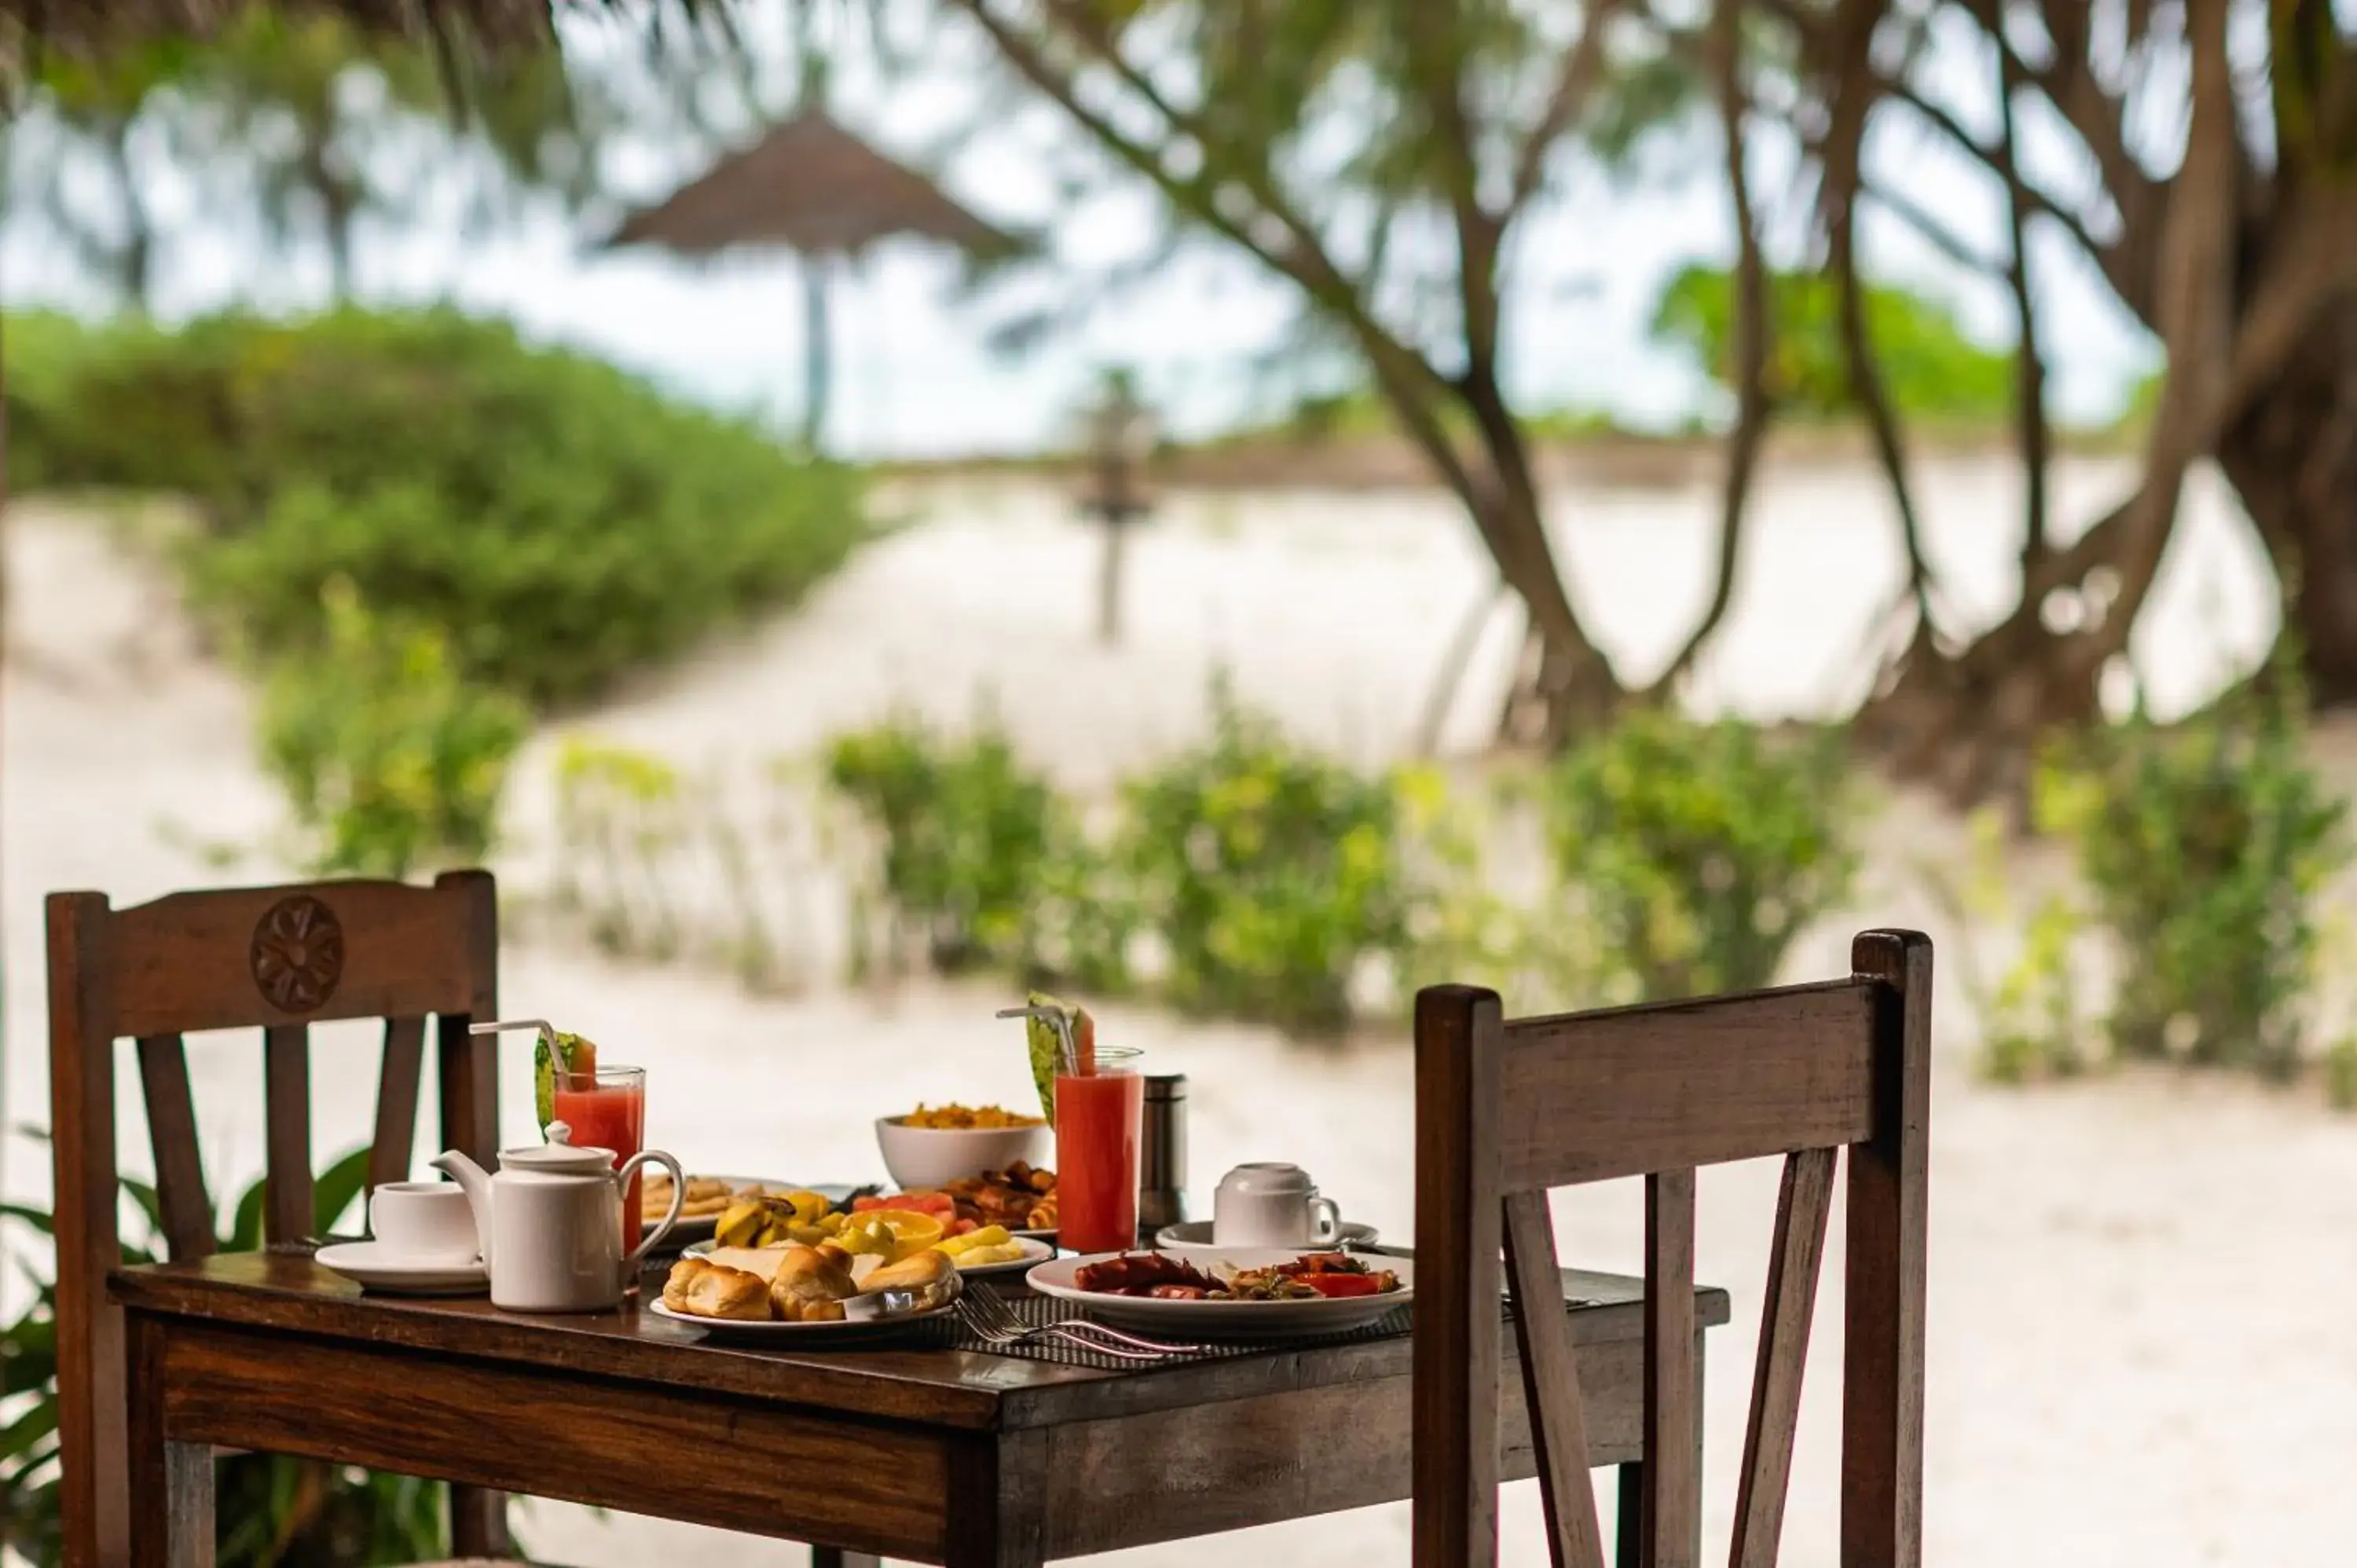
(2293, 461)
(1563, 683)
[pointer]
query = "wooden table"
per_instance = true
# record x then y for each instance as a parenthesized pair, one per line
(939, 1455)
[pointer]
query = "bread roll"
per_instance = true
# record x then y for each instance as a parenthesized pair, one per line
(707, 1290)
(918, 1273)
(684, 1273)
(807, 1278)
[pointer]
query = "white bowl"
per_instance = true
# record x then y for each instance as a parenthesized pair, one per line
(929, 1158)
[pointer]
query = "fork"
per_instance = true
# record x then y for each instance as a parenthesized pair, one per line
(994, 1322)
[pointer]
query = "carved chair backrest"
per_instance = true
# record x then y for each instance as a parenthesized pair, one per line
(1507, 1110)
(276, 959)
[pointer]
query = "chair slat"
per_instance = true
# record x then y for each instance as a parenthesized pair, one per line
(1591, 1096)
(188, 1212)
(1886, 1257)
(1673, 1479)
(396, 1100)
(1802, 1208)
(287, 1217)
(1551, 1383)
(1458, 1233)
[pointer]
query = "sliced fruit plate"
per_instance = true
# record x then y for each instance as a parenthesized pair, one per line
(716, 1195)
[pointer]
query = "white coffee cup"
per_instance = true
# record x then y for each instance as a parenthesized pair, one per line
(430, 1221)
(1271, 1204)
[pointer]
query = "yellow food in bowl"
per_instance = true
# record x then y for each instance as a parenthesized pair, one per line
(959, 1118)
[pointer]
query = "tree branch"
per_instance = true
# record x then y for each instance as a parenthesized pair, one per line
(1302, 260)
(2195, 279)
(1752, 333)
(1852, 88)
(2100, 120)
(1436, 50)
(2040, 201)
(1583, 65)
(1947, 241)
(2029, 371)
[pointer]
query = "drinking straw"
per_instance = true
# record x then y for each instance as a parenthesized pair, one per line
(1054, 1018)
(547, 1030)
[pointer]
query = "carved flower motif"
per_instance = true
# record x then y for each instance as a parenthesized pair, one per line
(298, 953)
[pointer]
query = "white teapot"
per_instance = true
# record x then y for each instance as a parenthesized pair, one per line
(550, 1222)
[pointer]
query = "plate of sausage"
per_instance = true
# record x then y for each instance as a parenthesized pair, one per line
(1239, 1293)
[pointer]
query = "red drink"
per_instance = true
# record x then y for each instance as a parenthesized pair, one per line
(608, 1110)
(1097, 1122)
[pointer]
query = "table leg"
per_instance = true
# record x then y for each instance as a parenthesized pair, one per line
(172, 1522)
(1630, 1552)
(834, 1557)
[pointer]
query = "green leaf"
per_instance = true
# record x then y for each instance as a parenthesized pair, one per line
(20, 1435)
(245, 1231)
(338, 1188)
(40, 1220)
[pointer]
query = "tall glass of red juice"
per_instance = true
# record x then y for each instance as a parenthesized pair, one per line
(1098, 1118)
(607, 1110)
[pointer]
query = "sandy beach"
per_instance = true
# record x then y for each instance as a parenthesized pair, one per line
(2140, 1351)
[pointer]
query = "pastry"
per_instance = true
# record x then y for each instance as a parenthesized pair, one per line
(708, 1289)
(811, 1284)
(683, 1274)
(913, 1273)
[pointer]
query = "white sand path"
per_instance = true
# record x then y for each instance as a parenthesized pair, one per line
(2140, 1350)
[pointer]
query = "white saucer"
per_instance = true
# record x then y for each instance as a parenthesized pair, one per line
(372, 1267)
(1194, 1238)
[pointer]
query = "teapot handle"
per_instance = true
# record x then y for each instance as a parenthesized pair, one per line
(678, 1197)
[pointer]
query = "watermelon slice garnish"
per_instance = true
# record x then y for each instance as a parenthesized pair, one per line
(580, 1056)
(1046, 1050)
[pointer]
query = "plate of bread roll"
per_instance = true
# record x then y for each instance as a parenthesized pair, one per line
(805, 1293)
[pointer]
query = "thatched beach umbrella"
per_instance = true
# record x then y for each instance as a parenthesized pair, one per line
(811, 188)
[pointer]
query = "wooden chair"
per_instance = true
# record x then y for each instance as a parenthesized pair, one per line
(276, 959)
(1507, 1110)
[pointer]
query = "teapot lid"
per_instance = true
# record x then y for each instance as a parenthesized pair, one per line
(558, 1157)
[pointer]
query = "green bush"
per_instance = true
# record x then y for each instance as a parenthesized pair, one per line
(2033, 1023)
(2341, 1074)
(46, 354)
(390, 758)
(1270, 873)
(2204, 848)
(271, 1511)
(1929, 366)
(1699, 852)
(559, 521)
(963, 831)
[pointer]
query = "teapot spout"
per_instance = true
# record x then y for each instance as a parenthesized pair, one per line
(476, 1183)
